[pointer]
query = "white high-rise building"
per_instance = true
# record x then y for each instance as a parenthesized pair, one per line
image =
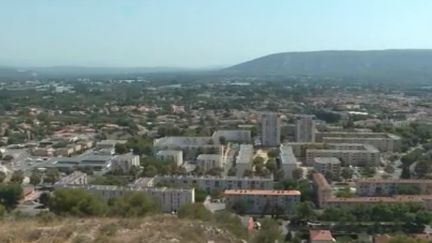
(270, 125)
(305, 129)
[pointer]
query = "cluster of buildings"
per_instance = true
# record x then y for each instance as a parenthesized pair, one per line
(206, 152)
(169, 199)
(213, 183)
(102, 158)
(371, 191)
(384, 142)
(326, 151)
(255, 193)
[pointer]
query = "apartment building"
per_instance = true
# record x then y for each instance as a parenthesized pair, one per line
(348, 154)
(214, 183)
(175, 156)
(169, 199)
(384, 142)
(326, 165)
(264, 201)
(389, 187)
(423, 200)
(270, 129)
(305, 128)
(244, 159)
(299, 148)
(75, 178)
(288, 162)
(325, 198)
(322, 188)
(191, 146)
(124, 162)
(91, 160)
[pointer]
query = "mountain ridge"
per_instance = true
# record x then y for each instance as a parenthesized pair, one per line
(392, 63)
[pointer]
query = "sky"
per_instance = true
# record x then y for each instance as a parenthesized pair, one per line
(201, 33)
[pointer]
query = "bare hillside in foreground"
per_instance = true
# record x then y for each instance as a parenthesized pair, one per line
(150, 229)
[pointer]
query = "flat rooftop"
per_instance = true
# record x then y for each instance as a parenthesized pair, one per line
(263, 192)
(395, 181)
(327, 160)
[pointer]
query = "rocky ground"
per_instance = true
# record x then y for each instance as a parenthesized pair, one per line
(150, 229)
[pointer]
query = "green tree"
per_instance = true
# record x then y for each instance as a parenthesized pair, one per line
(240, 206)
(10, 194)
(368, 170)
(231, 222)
(232, 171)
(344, 193)
(45, 198)
(36, 177)
(305, 211)
(150, 171)
(269, 233)
(423, 218)
(279, 175)
(422, 168)
(297, 173)
(407, 189)
(134, 172)
(121, 148)
(271, 165)
(200, 194)
(406, 239)
(76, 202)
(109, 180)
(2, 211)
(135, 204)
(222, 140)
(2, 176)
(51, 175)
(17, 177)
(194, 211)
(273, 153)
(389, 169)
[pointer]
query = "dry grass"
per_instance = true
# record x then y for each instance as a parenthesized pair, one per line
(161, 228)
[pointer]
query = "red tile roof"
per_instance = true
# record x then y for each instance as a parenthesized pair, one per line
(324, 235)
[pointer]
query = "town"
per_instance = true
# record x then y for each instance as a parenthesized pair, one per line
(319, 166)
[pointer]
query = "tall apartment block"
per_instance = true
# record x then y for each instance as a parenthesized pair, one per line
(305, 129)
(270, 125)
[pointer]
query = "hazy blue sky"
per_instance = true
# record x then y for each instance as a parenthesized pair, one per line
(199, 33)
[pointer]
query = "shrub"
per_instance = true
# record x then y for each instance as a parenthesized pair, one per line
(194, 211)
(136, 204)
(76, 202)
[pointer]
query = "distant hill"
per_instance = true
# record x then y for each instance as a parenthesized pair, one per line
(18, 73)
(8, 73)
(81, 70)
(384, 64)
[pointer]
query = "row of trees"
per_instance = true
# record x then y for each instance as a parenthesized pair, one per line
(409, 213)
(78, 202)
